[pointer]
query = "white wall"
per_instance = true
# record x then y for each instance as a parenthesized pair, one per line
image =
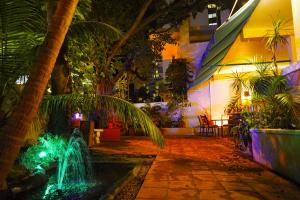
(209, 98)
(220, 95)
(200, 103)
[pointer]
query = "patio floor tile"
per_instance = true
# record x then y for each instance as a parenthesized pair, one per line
(202, 168)
(152, 193)
(187, 184)
(214, 194)
(183, 194)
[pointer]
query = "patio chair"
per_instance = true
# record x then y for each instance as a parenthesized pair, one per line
(206, 127)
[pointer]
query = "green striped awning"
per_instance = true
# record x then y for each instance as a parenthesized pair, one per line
(222, 40)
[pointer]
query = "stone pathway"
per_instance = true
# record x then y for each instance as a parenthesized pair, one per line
(203, 168)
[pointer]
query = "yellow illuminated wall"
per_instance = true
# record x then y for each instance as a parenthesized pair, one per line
(244, 50)
(261, 19)
(296, 21)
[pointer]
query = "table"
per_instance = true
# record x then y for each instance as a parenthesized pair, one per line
(220, 124)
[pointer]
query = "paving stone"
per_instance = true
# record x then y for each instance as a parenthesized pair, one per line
(245, 195)
(180, 177)
(152, 193)
(187, 194)
(208, 185)
(157, 177)
(214, 194)
(209, 172)
(228, 178)
(156, 184)
(236, 186)
(205, 177)
(186, 184)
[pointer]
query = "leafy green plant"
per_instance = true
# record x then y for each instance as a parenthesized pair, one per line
(47, 150)
(235, 102)
(277, 105)
(125, 110)
(179, 74)
(275, 39)
(241, 133)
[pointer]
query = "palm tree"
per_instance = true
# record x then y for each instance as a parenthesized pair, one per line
(14, 131)
(277, 103)
(239, 82)
(125, 110)
(275, 39)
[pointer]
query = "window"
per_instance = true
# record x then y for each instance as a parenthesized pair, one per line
(211, 5)
(213, 24)
(212, 15)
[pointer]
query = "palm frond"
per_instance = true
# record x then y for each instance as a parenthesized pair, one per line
(94, 29)
(20, 24)
(239, 81)
(278, 84)
(263, 67)
(284, 100)
(275, 38)
(260, 85)
(234, 103)
(37, 127)
(86, 103)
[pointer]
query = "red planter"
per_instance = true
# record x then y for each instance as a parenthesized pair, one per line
(110, 135)
(75, 123)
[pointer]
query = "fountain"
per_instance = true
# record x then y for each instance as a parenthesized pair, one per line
(74, 172)
(74, 177)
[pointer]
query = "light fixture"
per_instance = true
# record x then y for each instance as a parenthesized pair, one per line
(42, 154)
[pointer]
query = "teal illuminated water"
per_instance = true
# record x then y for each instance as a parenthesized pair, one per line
(75, 165)
(74, 172)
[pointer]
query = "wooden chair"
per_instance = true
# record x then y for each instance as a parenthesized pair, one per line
(205, 127)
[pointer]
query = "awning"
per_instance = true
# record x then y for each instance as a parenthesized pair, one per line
(222, 40)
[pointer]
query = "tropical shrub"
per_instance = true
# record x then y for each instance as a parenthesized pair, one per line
(46, 151)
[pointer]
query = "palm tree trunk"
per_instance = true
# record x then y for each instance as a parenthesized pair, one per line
(14, 131)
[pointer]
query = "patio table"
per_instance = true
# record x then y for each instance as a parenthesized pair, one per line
(221, 124)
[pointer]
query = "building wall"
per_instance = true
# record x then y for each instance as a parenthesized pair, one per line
(193, 52)
(244, 50)
(293, 74)
(199, 99)
(212, 96)
(209, 98)
(261, 21)
(296, 21)
(221, 93)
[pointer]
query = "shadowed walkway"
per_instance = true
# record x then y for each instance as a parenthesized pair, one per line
(203, 168)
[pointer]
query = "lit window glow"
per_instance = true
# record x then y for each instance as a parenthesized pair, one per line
(213, 24)
(211, 5)
(212, 15)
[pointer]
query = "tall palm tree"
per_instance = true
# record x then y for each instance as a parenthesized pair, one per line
(275, 39)
(14, 131)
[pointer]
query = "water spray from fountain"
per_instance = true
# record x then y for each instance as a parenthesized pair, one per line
(75, 170)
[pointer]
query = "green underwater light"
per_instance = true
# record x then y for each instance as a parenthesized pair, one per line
(42, 154)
